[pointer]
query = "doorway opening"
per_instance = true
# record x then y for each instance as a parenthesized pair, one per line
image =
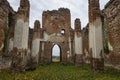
(56, 53)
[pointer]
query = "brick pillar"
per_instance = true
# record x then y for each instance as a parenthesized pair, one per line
(78, 43)
(95, 35)
(20, 46)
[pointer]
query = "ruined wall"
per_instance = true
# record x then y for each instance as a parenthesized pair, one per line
(30, 38)
(21, 32)
(36, 41)
(95, 35)
(78, 37)
(112, 17)
(56, 26)
(78, 42)
(72, 46)
(6, 24)
(11, 34)
(54, 21)
(5, 12)
(85, 42)
(22, 25)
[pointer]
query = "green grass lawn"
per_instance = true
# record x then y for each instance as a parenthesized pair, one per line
(57, 71)
(56, 59)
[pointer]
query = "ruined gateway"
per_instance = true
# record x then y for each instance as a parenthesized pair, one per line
(21, 46)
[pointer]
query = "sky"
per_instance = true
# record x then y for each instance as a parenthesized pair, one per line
(78, 8)
(56, 50)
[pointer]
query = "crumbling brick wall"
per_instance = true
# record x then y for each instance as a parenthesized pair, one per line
(5, 11)
(85, 33)
(54, 23)
(112, 17)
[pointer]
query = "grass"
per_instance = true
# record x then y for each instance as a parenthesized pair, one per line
(56, 59)
(57, 71)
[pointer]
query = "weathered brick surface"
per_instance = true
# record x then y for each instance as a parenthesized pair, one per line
(78, 42)
(85, 36)
(95, 34)
(112, 16)
(21, 31)
(23, 10)
(19, 60)
(48, 51)
(77, 25)
(5, 10)
(30, 38)
(97, 64)
(78, 59)
(56, 20)
(36, 31)
(94, 9)
(36, 42)
(53, 23)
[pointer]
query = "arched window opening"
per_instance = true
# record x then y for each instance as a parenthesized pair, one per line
(56, 53)
(63, 31)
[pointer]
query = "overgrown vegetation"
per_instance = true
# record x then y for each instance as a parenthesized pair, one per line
(105, 35)
(57, 71)
(106, 49)
(8, 24)
(6, 33)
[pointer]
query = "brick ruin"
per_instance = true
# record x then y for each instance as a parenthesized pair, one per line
(77, 41)
(85, 41)
(56, 26)
(21, 46)
(95, 35)
(111, 15)
(6, 13)
(6, 26)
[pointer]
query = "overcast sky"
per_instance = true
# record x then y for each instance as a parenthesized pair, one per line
(78, 8)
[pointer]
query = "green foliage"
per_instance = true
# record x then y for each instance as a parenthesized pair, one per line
(6, 33)
(105, 35)
(8, 24)
(106, 49)
(58, 71)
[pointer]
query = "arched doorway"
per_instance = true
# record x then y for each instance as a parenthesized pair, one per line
(56, 53)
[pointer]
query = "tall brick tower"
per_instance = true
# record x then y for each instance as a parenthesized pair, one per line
(36, 41)
(56, 26)
(78, 42)
(95, 35)
(22, 25)
(20, 46)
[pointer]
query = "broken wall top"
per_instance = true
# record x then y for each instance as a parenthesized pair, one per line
(5, 7)
(94, 10)
(56, 20)
(36, 25)
(77, 25)
(24, 10)
(111, 2)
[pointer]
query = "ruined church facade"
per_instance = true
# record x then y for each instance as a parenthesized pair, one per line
(25, 46)
(56, 30)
